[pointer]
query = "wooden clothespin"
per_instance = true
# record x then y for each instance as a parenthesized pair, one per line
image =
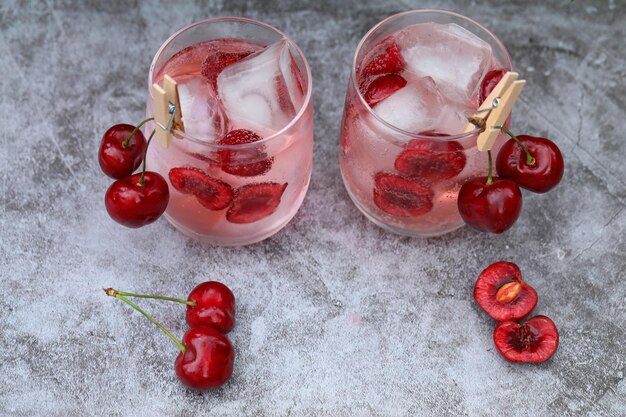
(493, 112)
(166, 108)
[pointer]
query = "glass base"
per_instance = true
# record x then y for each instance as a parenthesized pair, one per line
(398, 230)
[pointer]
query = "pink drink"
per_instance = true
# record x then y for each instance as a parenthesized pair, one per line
(241, 168)
(403, 155)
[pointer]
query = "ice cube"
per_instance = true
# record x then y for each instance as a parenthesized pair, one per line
(414, 108)
(454, 57)
(262, 91)
(201, 111)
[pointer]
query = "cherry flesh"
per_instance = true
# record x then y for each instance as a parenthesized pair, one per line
(541, 174)
(208, 359)
(534, 341)
(117, 158)
(214, 307)
(502, 293)
(135, 203)
(491, 207)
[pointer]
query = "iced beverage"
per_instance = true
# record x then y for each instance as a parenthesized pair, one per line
(240, 169)
(415, 80)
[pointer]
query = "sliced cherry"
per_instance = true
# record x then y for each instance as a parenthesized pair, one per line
(491, 207)
(238, 161)
(401, 197)
(135, 201)
(382, 87)
(502, 293)
(207, 361)
(385, 58)
(538, 168)
(534, 341)
(214, 307)
(217, 59)
(210, 192)
(118, 155)
(254, 202)
(431, 160)
(491, 79)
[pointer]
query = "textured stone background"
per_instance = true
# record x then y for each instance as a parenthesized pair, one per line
(335, 316)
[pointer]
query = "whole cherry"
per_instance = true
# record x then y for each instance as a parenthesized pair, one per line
(207, 361)
(121, 150)
(534, 163)
(213, 306)
(490, 204)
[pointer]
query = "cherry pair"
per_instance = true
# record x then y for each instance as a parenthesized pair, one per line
(206, 355)
(493, 204)
(132, 200)
(502, 293)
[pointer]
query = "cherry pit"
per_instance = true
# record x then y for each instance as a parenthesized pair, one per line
(206, 355)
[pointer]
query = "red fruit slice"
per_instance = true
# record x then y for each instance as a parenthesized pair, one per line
(236, 162)
(401, 196)
(218, 59)
(382, 87)
(500, 291)
(385, 58)
(534, 341)
(492, 78)
(254, 202)
(431, 160)
(210, 192)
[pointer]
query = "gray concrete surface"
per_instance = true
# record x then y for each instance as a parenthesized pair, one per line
(335, 316)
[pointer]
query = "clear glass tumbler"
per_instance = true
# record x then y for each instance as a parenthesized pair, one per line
(240, 169)
(402, 157)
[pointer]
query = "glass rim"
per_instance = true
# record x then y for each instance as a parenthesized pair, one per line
(353, 77)
(305, 104)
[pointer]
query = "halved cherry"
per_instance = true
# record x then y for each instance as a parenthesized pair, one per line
(385, 58)
(254, 202)
(382, 87)
(502, 293)
(492, 78)
(534, 341)
(400, 196)
(243, 162)
(431, 160)
(210, 192)
(217, 59)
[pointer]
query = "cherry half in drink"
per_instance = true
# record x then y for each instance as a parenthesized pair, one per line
(416, 79)
(241, 168)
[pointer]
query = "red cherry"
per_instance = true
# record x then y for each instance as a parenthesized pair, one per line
(217, 59)
(534, 341)
(542, 175)
(490, 208)
(431, 160)
(133, 204)
(254, 202)
(215, 307)
(385, 58)
(401, 197)
(492, 78)
(382, 87)
(243, 162)
(208, 359)
(116, 160)
(500, 291)
(210, 192)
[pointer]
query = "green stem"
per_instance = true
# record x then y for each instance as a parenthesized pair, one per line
(489, 174)
(145, 153)
(529, 158)
(114, 293)
(143, 122)
(157, 297)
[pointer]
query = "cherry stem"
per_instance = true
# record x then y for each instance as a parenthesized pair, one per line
(157, 297)
(143, 122)
(489, 174)
(118, 294)
(145, 153)
(529, 158)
